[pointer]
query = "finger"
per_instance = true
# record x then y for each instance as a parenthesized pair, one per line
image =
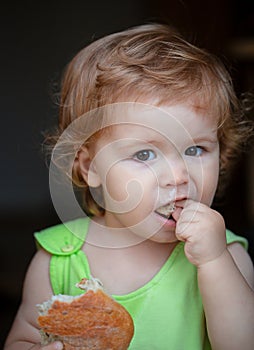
(183, 231)
(188, 203)
(187, 218)
(57, 345)
(53, 346)
(190, 214)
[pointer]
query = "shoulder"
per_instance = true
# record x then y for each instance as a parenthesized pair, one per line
(37, 284)
(233, 238)
(65, 238)
(237, 246)
(243, 262)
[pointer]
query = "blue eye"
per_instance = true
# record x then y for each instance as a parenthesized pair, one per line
(194, 151)
(144, 155)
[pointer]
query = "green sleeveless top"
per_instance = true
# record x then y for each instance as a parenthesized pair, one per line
(167, 312)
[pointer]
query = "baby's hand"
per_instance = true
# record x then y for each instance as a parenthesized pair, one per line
(53, 346)
(203, 231)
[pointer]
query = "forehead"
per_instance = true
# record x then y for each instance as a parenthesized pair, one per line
(140, 122)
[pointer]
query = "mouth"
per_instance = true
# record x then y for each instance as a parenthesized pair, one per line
(166, 211)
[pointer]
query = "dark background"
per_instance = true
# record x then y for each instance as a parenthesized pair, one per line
(37, 41)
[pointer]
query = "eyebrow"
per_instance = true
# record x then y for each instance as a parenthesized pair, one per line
(206, 139)
(135, 144)
(139, 142)
(136, 141)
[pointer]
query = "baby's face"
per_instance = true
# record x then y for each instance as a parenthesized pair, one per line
(152, 161)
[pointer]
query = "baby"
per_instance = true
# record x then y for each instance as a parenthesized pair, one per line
(149, 126)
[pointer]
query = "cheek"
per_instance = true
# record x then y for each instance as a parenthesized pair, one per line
(122, 190)
(129, 189)
(209, 183)
(115, 185)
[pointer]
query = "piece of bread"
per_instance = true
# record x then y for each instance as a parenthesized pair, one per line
(166, 210)
(93, 320)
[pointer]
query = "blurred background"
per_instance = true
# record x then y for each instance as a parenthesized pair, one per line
(37, 41)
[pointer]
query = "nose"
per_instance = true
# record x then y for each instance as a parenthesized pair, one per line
(174, 172)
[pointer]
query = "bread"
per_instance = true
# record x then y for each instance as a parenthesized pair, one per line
(166, 210)
(93, 320)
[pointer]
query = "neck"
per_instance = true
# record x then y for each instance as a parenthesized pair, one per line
(121, 266)
(125, 241)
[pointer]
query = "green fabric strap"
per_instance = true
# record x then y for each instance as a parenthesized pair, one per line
(68, 263)
(233, 238)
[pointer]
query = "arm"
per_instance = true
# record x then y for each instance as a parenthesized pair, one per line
(229, 300)
(225, 277)
(24, 334)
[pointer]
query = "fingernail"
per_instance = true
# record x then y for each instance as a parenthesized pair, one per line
(58, 345)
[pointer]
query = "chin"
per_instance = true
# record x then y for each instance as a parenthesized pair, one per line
(164, 237)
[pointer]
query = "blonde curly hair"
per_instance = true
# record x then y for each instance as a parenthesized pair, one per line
(142, 63)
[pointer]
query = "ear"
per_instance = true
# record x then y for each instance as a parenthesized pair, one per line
(87, 167)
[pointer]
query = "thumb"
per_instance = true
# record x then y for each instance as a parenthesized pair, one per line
(57, 345)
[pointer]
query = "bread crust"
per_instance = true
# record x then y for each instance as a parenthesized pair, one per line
(93, 320)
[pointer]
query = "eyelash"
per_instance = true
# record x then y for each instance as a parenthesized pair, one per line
(146, 155)
(199, 148)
